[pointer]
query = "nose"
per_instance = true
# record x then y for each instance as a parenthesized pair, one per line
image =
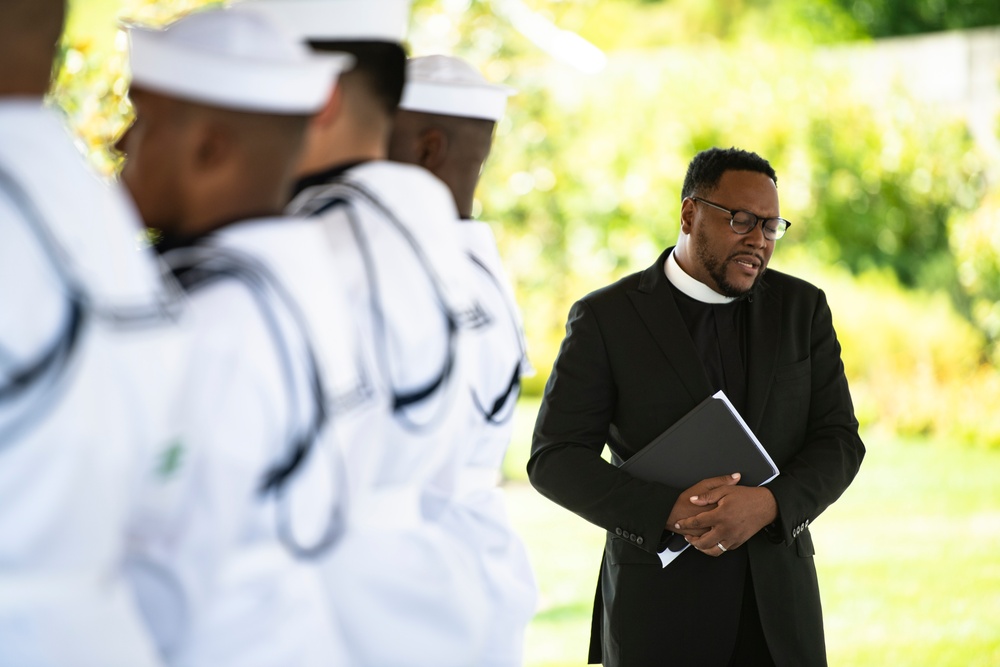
(755, 237)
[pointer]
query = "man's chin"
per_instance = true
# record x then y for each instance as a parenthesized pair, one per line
(738, 289)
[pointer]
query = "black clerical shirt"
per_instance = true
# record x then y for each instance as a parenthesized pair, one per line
(719, 334)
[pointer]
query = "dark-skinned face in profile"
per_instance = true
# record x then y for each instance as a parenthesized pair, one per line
(728, 262)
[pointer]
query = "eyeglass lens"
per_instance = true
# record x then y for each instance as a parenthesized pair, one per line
(744, 221)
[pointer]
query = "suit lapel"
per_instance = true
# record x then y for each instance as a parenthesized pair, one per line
(764, 332)
(654, 302)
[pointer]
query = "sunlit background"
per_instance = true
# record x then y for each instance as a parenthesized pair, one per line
(882, 119)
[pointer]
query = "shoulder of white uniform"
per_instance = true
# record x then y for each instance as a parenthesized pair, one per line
(409, 186)
(295, 253)
(286, 246)
(282, 247)
(259, 232)
(424, 206)
(478, 237)
(91, 219)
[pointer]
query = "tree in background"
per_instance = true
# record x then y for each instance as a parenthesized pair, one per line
(889, 18)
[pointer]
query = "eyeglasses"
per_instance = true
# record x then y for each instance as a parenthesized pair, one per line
(743, 222)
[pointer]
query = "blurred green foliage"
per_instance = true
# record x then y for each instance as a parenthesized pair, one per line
(874, 18)
(586, 169)
(884, 18)
(889, 182)
(915, 364)
(975, 242)
(615, 25)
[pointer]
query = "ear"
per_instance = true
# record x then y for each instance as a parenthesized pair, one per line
(213, 146)
(687, 215)
(432, 148)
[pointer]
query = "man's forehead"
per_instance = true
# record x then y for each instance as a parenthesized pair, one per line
(740, 180)
(747, 188)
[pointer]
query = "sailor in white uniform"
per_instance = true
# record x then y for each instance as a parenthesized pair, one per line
(210, 161)
(405, 590)
(86, 350)
(445, 123)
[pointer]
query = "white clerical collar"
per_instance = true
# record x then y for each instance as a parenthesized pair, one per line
(693, 288)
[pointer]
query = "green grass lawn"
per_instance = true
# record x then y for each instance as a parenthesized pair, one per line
(908, 559)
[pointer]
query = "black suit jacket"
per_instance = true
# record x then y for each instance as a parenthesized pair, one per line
(627, 370)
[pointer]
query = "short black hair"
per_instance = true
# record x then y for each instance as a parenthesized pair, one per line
(707, 168)
(382, 65)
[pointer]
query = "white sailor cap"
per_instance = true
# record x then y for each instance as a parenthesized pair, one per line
(452, 87)
(236, 59)
(340, 20)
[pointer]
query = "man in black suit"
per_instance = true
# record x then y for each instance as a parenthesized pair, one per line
(642, 352)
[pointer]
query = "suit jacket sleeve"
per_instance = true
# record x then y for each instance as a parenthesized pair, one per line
(570, 433)
(829, 452)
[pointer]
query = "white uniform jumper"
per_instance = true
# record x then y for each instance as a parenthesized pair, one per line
(405, 591)
(479, 512)
(261, 348)
(85, 365)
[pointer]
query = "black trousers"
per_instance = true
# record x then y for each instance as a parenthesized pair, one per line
(751, 646)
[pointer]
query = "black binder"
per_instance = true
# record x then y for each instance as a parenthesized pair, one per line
(710, 440)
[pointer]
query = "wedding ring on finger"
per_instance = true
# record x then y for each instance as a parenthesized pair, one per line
(721, 548)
